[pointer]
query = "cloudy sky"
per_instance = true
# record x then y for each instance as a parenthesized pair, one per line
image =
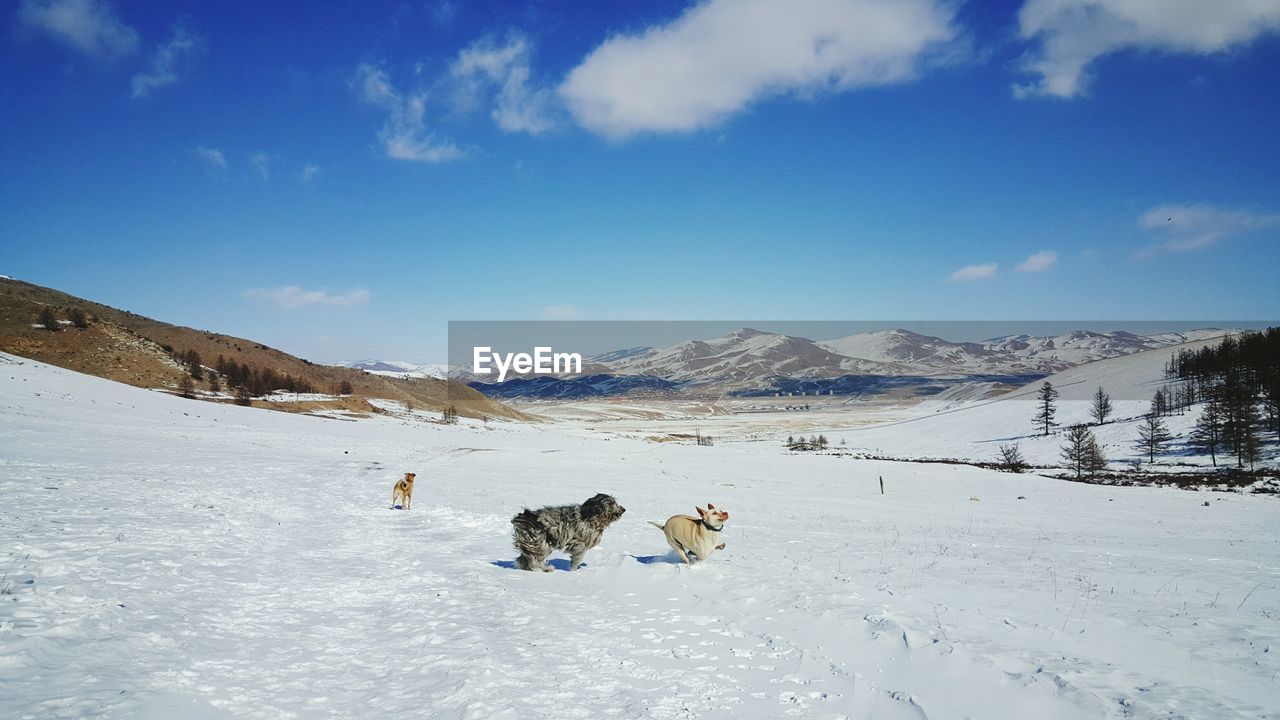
(340, 179)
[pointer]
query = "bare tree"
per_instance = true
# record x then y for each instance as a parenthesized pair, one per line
(1101, 406)
(1011, 459)
(186, 387)
(1095, 459)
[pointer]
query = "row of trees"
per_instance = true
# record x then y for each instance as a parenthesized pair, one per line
(1241, 365)
(1236, 382)
(815, 442)
(256, 381)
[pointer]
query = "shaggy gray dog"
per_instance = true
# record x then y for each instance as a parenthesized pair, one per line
(572, 528)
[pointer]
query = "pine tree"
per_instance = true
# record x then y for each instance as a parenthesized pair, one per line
(186, 388)
(1160, 403)
(1101, 406)
(192, 359)
(1044, 418)
(214, 384)
(79, 318)
(1152, 435)
(1207, 435)
(1241, 421)
(242, 395)
(1077, 452)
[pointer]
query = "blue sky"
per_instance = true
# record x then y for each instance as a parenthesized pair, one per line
(341, 179)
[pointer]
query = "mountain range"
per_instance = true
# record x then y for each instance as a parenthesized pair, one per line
(749, 361)
(398, 368)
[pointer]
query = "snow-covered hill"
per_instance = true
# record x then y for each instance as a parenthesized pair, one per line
(398, 368)
(169, 558)
(748, 359)
(974, 430)
(1011, 355)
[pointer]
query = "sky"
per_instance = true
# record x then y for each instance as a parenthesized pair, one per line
(341, 179)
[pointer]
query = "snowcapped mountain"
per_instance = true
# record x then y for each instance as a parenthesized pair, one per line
(398, 368)
(751, 362)
(747, 358)
(623, 354)
(1012, 355)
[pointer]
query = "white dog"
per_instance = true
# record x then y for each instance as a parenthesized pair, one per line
(697, 536)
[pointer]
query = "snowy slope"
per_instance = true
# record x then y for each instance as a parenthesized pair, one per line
(973, 430)
(169, 558)
(746, 358)
(1018, 354)
(399, 368)
(751, 359)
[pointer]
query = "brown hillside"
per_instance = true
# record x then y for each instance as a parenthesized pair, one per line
(129, 348)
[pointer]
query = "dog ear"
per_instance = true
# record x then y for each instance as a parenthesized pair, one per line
(700, 510)
(710, 506)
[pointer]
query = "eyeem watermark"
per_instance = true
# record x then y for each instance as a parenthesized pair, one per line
(543, 360)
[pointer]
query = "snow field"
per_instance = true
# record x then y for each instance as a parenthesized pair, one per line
(212, 561)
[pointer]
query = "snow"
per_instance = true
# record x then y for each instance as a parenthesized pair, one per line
(940, 428)
(398, 368)
(176, 558)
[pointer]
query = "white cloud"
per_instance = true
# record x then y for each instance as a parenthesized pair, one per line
(309, 172)
(86, 25)
(212, 157)
(166, 62)
(1038, 262)
(404, 136)
(969, 273)
(561, 312)
(518, 105)
(261, 163)
(1072, 34)
(1195, 227)
(293, 297)
(722, 55)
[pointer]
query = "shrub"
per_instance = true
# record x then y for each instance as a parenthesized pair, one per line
(49, 320)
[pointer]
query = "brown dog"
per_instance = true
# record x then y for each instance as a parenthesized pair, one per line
(404, 491)
(695, 536)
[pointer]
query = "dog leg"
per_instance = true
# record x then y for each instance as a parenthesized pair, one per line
(534, 557)
(408, 500)
(575, 558)
(679, 551)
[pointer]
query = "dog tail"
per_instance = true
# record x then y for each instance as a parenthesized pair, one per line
(660, 527)
(526, 519)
